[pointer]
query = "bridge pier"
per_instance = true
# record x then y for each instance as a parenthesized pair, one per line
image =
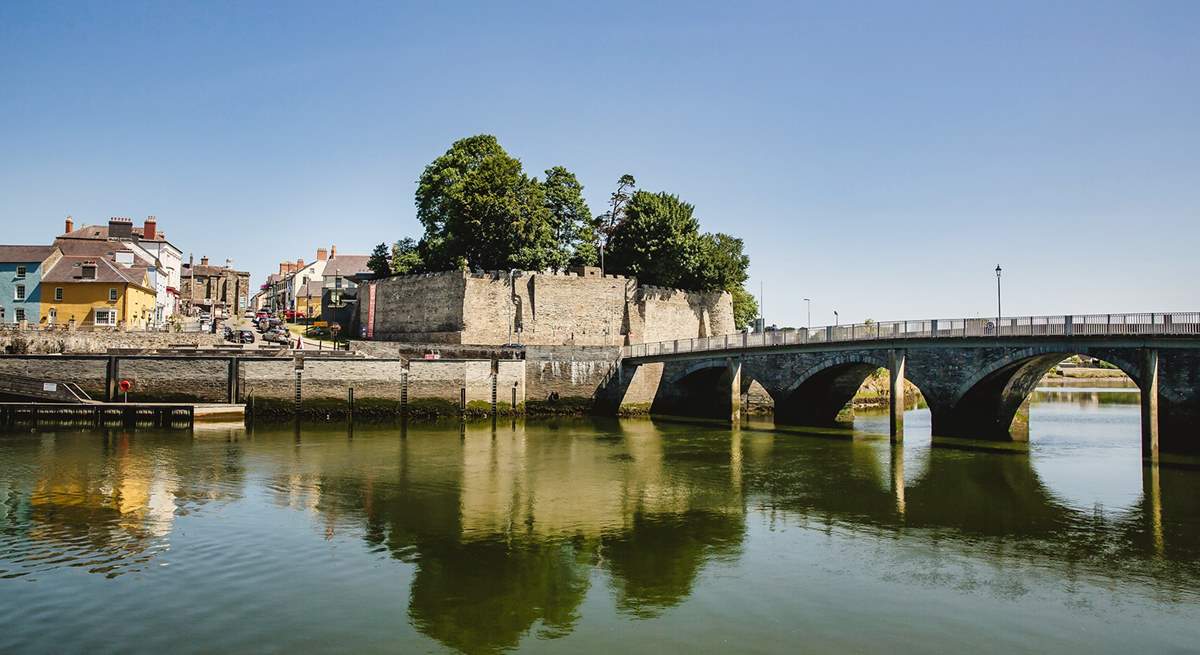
(1149, 402)
(896, 364)
(731, 387)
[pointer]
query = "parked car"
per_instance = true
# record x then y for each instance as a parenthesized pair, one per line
(277, 336)
(246, 336)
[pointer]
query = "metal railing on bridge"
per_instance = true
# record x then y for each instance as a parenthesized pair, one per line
(1150, 324)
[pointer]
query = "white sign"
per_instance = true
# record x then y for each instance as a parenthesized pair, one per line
(49, 386)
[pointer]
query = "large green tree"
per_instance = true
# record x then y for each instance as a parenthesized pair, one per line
(481, 210)
(658, 241)
(378, 261)
(406, 257)
(570, 220)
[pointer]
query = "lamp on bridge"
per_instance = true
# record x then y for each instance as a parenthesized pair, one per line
(998, 314)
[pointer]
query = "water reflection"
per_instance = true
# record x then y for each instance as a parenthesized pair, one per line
(510, 531)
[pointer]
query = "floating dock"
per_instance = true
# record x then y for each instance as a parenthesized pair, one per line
(166, 415)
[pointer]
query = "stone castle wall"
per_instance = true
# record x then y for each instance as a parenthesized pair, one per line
(541, 309)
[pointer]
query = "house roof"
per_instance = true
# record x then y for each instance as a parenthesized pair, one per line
(22, 254)
(209, 271)
(101, 232)
(70, 269)
(347, 265)
(312, 287)
(89, 247)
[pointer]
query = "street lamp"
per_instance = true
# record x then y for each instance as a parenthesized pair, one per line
(808, 308)
(835, 318)
(998, 313)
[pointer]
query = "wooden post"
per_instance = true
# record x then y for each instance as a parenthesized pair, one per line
(462, 402)
(111, 373)
(350, 401)
(231, 381)
(514, 399)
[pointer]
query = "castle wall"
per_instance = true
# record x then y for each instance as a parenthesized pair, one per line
(540, 309)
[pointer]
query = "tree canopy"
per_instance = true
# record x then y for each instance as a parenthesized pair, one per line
(480, 210)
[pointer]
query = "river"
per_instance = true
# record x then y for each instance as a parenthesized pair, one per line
(588, 535)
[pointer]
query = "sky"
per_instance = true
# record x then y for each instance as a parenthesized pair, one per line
(880, 159)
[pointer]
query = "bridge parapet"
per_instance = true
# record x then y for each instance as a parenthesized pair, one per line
(1067, 325)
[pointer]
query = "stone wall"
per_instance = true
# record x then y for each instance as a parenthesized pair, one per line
(425, 308)
(541, 309)
(570, 374)
(663, 314)
(65, 341)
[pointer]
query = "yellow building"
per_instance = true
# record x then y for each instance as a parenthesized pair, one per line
(99, 292)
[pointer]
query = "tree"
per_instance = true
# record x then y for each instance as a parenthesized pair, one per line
(745, 307)
(570, 220)
(406, 257)
(378, 261)
(479, 209)
(658, 240)
(604, 224)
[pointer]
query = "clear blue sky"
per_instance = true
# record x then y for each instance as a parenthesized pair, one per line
(879, 158)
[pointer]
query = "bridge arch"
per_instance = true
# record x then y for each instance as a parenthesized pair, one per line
(819, 393)
(987, 402)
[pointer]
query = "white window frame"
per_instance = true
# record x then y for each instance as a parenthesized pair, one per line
(111, 314)
(19, 293)
(58, 294)
(22, 271)
(112, 294)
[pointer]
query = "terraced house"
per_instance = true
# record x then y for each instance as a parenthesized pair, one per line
(21, 269)
(98, 291)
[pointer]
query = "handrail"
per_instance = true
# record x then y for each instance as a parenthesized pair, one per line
(1068, 325)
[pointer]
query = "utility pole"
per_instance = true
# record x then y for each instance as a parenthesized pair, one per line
(808, 309)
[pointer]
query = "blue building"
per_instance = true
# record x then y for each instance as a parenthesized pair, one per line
(21, 269)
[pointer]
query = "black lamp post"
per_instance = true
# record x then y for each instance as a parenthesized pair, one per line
(998, 313)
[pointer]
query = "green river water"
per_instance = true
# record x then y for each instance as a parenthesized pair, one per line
(587, 535)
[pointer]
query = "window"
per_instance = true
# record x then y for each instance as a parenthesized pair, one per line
(106, 317)
(53, 316)
(112, 295)
(58, 293)
(19, 292)
(88, 272)
(1, 314)
(19, 315)
(21, 270)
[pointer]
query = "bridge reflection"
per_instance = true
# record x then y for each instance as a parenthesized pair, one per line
(510, 531)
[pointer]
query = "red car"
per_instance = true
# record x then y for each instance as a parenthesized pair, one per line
(293, 315)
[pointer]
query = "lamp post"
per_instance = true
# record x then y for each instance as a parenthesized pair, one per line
(808, 309)
(998, 313)
(835, 318)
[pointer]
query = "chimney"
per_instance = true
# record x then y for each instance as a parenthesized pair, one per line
(70, 225)
(299, 262)
(204, 260)
(333, 251)
(283, 268)
(150, 231)
(321, 254)
(120, 227)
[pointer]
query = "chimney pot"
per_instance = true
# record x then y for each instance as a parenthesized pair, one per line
(333, 251)
(70, 225)
(204, 260)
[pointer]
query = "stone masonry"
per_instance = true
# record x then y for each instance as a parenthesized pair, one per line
(544, 309)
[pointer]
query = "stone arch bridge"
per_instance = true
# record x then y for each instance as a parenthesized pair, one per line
(973, 373)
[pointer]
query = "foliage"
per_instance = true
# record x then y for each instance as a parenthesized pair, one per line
(378, 261)
(570, 220)
(480, 210)
(658, 240)
(406, 257)
(606, 223)
(745, 307)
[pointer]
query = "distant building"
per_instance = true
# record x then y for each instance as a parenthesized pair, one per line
(220, 290)
(21, 270)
